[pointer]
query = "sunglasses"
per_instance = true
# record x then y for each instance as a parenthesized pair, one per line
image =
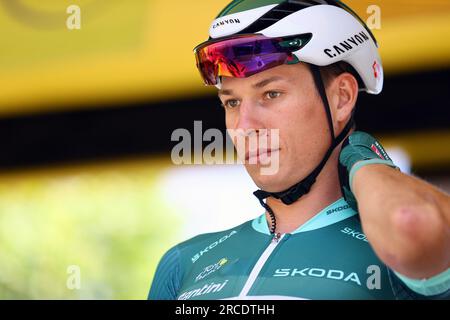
(245, 55)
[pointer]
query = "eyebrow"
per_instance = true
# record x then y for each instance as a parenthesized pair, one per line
(258, 85)
(265, 82)
(225, 92)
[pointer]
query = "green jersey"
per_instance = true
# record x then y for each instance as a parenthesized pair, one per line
(328, 257)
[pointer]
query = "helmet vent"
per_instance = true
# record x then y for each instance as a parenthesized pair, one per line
(276, 14)
(288, 7)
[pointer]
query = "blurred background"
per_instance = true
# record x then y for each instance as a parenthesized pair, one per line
(86, 117)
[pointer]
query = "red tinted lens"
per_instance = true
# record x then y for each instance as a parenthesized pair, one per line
(240, 57)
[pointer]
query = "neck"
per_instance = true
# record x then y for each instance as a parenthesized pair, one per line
(325, 191)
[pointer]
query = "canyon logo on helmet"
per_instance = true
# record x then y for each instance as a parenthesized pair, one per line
(337, 33)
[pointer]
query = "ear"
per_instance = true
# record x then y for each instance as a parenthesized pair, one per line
(343, 91)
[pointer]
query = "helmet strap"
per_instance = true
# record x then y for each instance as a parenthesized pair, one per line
(298, 190)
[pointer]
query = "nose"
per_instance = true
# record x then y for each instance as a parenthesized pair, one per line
(249, 118)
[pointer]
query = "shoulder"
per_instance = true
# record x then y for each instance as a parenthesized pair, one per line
(193, 248)
(178, 259)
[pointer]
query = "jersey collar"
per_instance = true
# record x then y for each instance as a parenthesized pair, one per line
(332, 214)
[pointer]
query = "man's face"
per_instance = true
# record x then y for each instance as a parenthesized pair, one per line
(283, 98)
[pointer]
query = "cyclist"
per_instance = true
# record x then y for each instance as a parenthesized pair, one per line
(341, 221)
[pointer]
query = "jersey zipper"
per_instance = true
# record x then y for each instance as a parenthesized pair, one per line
(260, 264)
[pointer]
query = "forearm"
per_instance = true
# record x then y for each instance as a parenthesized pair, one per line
(406, 220)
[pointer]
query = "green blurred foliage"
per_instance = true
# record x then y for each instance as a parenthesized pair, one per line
(111, 222)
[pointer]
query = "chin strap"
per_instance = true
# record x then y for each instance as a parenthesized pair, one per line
(298, 190)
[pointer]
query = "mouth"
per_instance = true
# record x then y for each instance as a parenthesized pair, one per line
(254, 157)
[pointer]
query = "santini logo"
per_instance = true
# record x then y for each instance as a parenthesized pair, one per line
(206, 289)
(347, 45)
(226, 22)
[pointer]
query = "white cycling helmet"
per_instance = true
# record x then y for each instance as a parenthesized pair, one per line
(336, 33)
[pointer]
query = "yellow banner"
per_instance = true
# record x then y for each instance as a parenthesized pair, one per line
(65, 53)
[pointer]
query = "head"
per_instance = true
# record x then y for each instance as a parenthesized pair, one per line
(259, 56)
(286, 98)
